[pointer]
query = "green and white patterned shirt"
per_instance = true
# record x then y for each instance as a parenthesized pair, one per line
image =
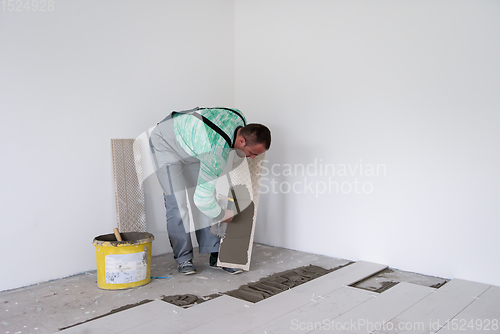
(208, 146)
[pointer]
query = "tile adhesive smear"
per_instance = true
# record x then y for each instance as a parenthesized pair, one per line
(235, 245)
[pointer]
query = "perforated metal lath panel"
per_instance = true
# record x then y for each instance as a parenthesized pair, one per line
(129, 194)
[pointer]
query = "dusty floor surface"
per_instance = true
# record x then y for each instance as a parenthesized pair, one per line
(46, 307)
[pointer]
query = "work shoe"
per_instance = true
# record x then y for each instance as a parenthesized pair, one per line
(232, 271)
(213, 264)
(186, 268)
(213, 259)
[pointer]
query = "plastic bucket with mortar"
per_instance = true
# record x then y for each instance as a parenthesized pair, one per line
(123, 264)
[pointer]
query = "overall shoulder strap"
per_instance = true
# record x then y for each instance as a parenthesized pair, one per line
(229, 109)
(205, 120)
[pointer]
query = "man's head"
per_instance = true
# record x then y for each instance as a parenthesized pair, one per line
(253, 139)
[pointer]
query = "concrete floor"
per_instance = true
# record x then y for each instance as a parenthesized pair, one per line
(46, 307)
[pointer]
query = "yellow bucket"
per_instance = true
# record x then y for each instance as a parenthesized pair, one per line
(123, 264)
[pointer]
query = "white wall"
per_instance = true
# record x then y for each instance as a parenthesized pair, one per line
(411, 85)
(72, 79)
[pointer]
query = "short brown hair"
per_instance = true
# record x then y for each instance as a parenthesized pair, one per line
(256, 134)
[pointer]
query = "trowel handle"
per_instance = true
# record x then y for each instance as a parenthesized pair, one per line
(117, 234)
(233, 201)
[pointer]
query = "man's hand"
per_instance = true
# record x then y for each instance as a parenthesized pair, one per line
(228, 216)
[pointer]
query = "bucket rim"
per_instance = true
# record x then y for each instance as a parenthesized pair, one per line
(136, 238)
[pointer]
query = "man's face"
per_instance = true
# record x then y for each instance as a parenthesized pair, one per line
(253, 151)
(249, 151)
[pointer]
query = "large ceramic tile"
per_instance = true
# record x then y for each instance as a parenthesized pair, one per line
(251, 317)
(190, 318)
(341, 277)
(223, 304)
(370, 316)
(480, 316)
(120, 321)
(437, 308)
(317, 310)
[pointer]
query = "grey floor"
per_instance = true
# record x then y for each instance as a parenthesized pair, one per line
(326, 304)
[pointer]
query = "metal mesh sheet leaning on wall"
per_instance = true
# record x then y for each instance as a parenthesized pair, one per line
(129, 195)
(246, 172)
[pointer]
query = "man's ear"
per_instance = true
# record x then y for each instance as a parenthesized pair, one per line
(242, 141)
